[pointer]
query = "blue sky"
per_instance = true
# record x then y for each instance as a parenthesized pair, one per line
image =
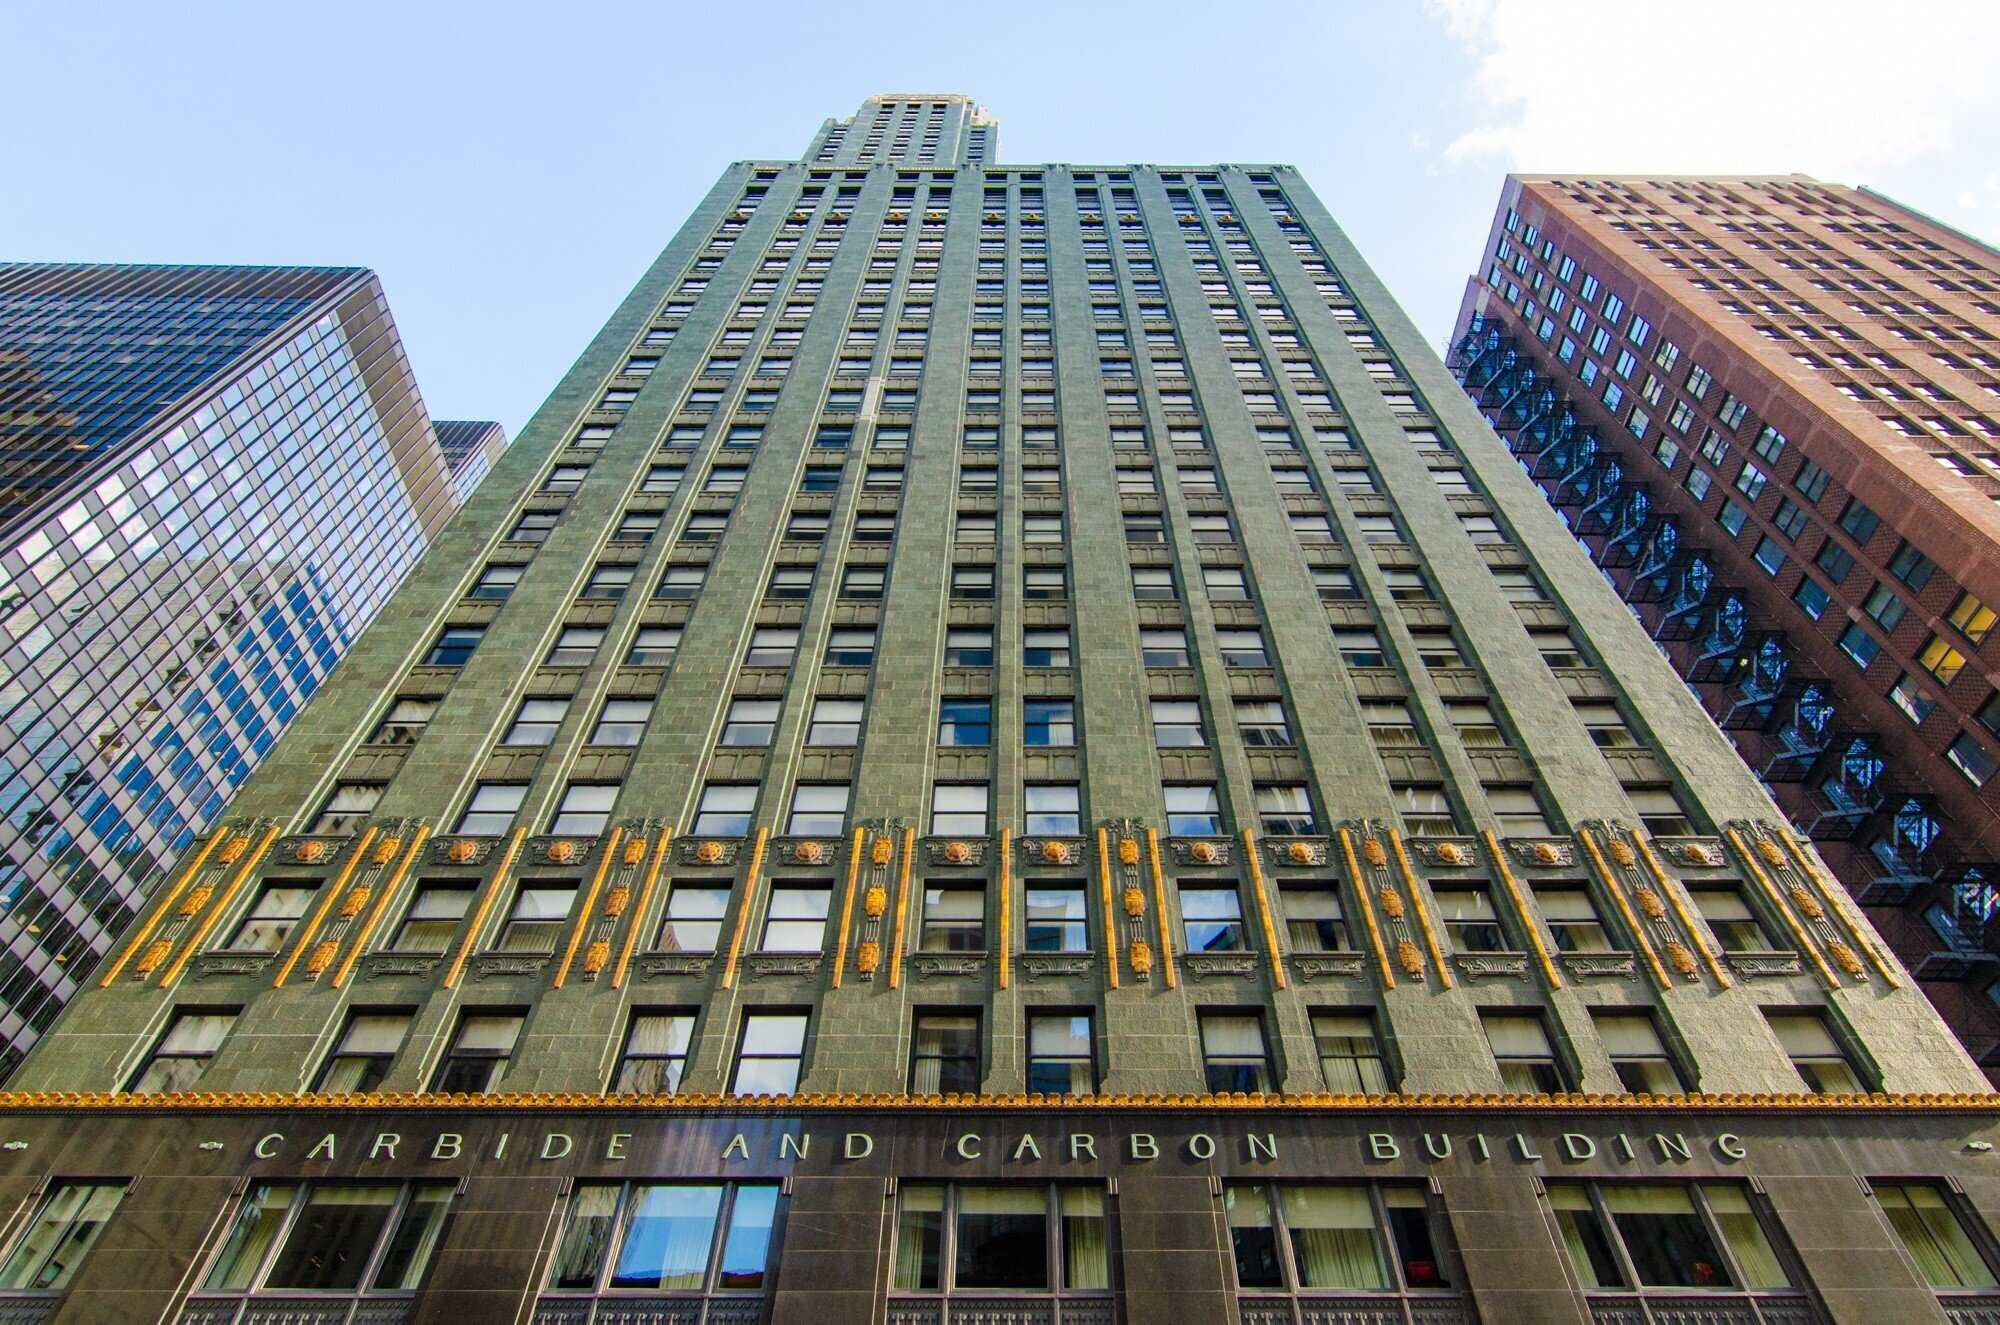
(510, 169)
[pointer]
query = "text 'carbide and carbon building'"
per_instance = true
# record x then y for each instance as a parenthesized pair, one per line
(210, 479)
(1769, 407)
(1008, 746)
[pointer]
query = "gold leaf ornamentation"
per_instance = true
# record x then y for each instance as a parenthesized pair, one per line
(708, 852)
(596, 956)
(957, 853)
(881, 851)
(1769, 851)
(1204, 853)
(1546, 853)
(1680, 957)
(1128, 851)
(310, 853)
(1135, 902)
(1392, 902)
(562, 853)
(232, 850)
(617, 900)
(1302, 853)
(462, 852)
(1649, 902)
(635, 850)
(869, 957)
(1622, 852)
(322, 957)
(1412, 960)
(1844, 957)
(1450, 853)
(1141, 957)
(1805, 901)
(196, 899)
(1376, 855)
(155, 953)
(809, 853)
(350, 905)
(875, 901)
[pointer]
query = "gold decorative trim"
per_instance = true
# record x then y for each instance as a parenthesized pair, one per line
(1778, 902)
(1837, 900)
(1617, 891)
(847, 904)
(1417, 901)
(249, 864)
(1104, 890)
(604, 859)
(487, 894)
(326, 903)
(1688, 925)
(749, 903)
(1160, 908)
(1007, 902)
(640, 912)
(63, 1104)
(1360, 882)
(1276, 957)
(902, 908)
(1528, 920)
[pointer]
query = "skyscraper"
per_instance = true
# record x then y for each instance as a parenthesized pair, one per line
(210, 479)
(1769, 408)
(1006, 746)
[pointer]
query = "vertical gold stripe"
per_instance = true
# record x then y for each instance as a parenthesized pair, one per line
(1513, 887)
(847, 906)
(325, 904)
(1264, 909)
(492, 890)
(381, 906)
(1110, 923)
(1659, 874)
(1799, 935)
(1007, 897)
(589, 904)
(222, 904)
(1160, 910)
(1417, 904)
(902, 909)
(188, 872)
(743, 911)
(1837, 899)
(1367, 912)
(1624, 907)
(639, 910)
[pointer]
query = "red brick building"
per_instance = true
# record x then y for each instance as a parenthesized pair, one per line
(1770, 409)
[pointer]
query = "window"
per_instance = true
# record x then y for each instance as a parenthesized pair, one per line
(818, 809)
(1810, 597)
(1055, 918)
(1884, 608)
(434, 915)
(1350, 1053)
(788, 583)
(1971, 758)
(852, 647)
(1152, 583)
(768, 1059)
(1242, 648)
(693, 921)
(621, 722)
(537, 919)
(972, 582)
(980, 1238)
(576, 646)
(1521, 1050)
(491, 810)
(478, 1053)
(725, 810)
(1285, 810)
(954, 918)
(585, 810)
(1193, 811)
(1660, 811)
(1233, 1057)
(1572, 917)
(269, 922)
(533, 527)
(1351, 1237)
(496, 582)
(1940, 659)
(1910, 697)
(1050, 722)
(1212, 918)
(965, 722)
(795, 919)
(1911, 566)
(1314, 918)
(454, 646)
(1810, 1043)
(331, 1237)
(749, 722)
(1638, 1054)
(655, 1054)
(682, 1237)
(1858, 644)
(681, 582)
(1667, 1236)
(1177, 723)
(834, 722)
(1934, 1235)
(1971, 618)
(1042, 582)
(405, 721)
(367, 1046)
(772, 647)
(55, 1241)
(1060, 1061)
(1770, 554)
(1466, 912)
(182, 1054)
(1053, 809)
(536, 722)
(1729, 917)
(944, 1053)
(1859, 521)
(958, 810)
(1163, 648)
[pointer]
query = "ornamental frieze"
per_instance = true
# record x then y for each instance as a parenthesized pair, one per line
(1220, 965)
(1200, 852)
(1600, 965)
(1297, 852)
(655, 964)
(1491, 965)
(1056, 965)
(956, 851)
(1307, 967)
(706, 850)
(943, 965)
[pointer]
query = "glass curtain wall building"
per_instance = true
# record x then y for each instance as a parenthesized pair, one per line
(210, 480)
(1008, 746)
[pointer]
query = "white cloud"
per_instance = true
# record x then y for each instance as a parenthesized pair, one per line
(1842, 89)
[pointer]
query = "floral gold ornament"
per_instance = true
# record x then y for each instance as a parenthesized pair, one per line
(1680, 958)
(1135, 902)
(1055, 853)
(635, 851)
(1697, 853)
(386, 849)
(462, 852)
(561, 853)
(1769, 851)
(1450, 853)
(809, 853)
(196, 899)
(869, 957)
(155, 953)
(1392, 902)
(356, 899)
(617, 900)
(1141, 957)
(1622, 852)
(1128, 851)
(957, 853)
(1376, 855)
(883, 849)
(232, 850)
(322, 957)
(1301, 853)
(1844, 957)
(875, 901)
(596, 956)
(1649, 902)
(708, 852)
(1412, 960)
(310, 853)
(1546, 853)
(1806, 902)
(1204, 853)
